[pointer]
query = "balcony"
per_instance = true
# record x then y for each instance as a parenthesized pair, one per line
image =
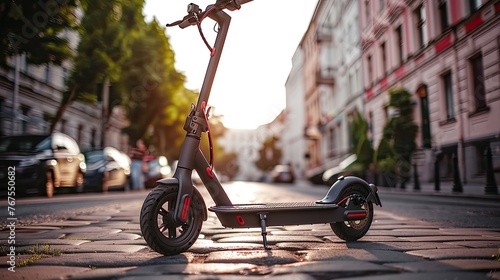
(324, 34)
(325, 76)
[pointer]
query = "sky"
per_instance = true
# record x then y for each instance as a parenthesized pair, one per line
(249, 87)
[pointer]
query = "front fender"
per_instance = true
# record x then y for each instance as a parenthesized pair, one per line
(175, 182)
(342, 183)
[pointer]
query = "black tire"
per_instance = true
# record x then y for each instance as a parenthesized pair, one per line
(155, 218)
(353, 230)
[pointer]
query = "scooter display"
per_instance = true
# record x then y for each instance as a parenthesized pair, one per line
(172, 214)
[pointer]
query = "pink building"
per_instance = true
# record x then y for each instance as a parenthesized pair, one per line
(447, 53)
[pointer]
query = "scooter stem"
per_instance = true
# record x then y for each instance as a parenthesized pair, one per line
(191, 143)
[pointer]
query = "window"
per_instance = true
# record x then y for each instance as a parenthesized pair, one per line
(419, 15)
(474, 5)
(370, 71)
(478, 82)
(47, 73)
(443, 15)
(381, 6)
(399, 44)
(331, 142)
(384, 58)
(448, 91)
(25, 110)
(368, 13)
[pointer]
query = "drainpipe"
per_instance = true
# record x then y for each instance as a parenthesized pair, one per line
(15, 95)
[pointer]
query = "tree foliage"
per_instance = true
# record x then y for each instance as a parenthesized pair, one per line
(269, 154)
(401, 131)
(105, 31)
(33, 29)
(152, 89)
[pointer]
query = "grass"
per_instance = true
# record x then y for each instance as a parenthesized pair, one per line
(37, 252)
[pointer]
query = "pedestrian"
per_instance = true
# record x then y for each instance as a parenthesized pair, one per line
(137, 155)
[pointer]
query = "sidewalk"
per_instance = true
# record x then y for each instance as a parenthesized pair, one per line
(108, 245)
(471, 190)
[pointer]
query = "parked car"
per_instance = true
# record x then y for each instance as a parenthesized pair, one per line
(42, 163)
(107, 169)
(158, 168)
(282, 174)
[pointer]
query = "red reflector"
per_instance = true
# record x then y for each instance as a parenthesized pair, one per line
(356, 215)
(240, 220)
(185, 208)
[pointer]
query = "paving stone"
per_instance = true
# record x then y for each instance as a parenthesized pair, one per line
(119, 225)
(89, 247)
(102, 236)
(90, 218)
(423, 266)
(463, 253)
(261, 257)
(477, 244)
(139, 241)
(408, 233)
(271, 239)
(319, 233)
(439, 238)
(101, 260)
(41, 272)
(373, 238)
(296, 246)
(331, 269)
(401, 226)
(207, 247)
(48, 234)
(102, 273)
(30, 242)
(66, 223)
(194, 268)
(235, 234)
(376, 256)
(458, 275)
(400, 246)
(473, 264)
(92, 229)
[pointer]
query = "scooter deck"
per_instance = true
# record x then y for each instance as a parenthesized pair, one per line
(279, 214)
(271, 207)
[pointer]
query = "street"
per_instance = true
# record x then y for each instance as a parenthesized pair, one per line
(412, 235)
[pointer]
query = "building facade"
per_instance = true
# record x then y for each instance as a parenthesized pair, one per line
(332, 76)
(293, 139)
(446, 53)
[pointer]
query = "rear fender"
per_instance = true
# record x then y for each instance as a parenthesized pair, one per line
(175, 182)
(332, 196)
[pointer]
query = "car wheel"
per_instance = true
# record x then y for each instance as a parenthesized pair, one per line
(79, 182)
(105, 181)
(49, 185)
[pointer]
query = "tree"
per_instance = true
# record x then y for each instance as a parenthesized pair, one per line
(104, 34)
(33, 29)
(402, 131)
(152, 90)
(269, 154)
(362, 145)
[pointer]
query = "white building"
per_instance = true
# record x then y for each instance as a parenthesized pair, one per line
(293, 141)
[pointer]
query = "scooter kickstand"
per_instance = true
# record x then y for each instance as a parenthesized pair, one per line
(263, 218)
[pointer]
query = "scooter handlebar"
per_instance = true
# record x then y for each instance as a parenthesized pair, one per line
(190, 19)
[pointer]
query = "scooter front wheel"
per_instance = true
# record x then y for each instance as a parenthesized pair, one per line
(157, 224)
(354, 197)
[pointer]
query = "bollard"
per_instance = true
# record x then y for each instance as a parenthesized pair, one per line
(416, 181)
(491, 184)
(457, 183)
(437, 183)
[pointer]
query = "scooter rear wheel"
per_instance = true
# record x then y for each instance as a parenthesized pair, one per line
(353, 230)
(157, 224)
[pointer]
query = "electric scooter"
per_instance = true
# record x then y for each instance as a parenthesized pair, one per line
(173, 213)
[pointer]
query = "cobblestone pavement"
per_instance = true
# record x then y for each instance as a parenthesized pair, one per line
(108, 245)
